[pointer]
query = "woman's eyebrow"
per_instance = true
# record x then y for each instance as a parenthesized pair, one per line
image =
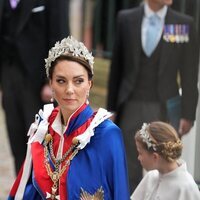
(61, 76)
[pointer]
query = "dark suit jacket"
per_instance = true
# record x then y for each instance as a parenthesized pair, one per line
(182, 57)
(35, 31)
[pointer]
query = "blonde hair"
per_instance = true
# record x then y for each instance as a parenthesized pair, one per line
(163, 139)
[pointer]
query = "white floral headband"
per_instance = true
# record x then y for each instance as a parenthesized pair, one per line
(146, 137)
(69, 46)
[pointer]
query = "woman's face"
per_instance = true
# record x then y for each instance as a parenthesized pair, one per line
(70, 85)
(146, 158)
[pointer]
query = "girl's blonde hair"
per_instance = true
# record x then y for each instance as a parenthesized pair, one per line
(162, 138)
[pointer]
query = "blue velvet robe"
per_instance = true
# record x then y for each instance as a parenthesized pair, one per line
(101, 164)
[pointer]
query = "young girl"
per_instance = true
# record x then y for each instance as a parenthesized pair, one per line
(159, 149)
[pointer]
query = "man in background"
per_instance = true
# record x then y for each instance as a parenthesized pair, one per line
(28, 28)
(153, 73)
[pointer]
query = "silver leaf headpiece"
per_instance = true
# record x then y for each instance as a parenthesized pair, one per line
(146, 137)
(69, 46)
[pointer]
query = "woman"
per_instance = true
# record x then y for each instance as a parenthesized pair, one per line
(73, 152)
(159, 149)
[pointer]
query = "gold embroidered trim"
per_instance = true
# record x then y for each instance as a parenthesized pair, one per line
(98, 195)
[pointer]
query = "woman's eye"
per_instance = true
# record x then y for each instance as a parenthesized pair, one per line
(60, 81)
(79, 81)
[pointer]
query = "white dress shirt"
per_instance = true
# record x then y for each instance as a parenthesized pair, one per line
(148, 13)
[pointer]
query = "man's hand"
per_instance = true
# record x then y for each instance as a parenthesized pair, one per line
(184, 126)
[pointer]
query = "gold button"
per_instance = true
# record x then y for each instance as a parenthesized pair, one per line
(75, 140)
(48, 138)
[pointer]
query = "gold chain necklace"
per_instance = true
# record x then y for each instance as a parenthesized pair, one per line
(57, 173)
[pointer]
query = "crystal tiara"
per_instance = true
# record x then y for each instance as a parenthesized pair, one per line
(146, 137)
(69, 46)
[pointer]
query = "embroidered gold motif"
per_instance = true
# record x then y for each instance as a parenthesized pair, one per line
(99, 195)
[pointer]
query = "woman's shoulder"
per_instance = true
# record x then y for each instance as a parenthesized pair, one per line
(107, 126)
(102, 118)
(108, 133)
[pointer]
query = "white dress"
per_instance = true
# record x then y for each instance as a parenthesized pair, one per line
(175, 185)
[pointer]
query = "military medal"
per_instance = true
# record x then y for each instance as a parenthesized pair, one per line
(166, 33)
(177, 34)
(186, 32)
(182, 39)
(172, 37)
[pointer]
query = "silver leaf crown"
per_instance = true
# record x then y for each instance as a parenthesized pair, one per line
(69, 46)
(146, 137)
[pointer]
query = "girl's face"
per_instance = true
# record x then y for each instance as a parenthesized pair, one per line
(70, 85)
(147, 159)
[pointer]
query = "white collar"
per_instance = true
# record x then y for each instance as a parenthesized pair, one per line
(57, 124)
(149, 12)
